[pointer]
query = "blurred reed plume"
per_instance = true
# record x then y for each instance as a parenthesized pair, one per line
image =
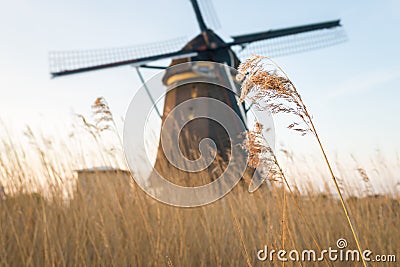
(103, 119)
(102, 114)
(261, 156)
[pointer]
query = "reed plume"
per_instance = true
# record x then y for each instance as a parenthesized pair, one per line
(103, 119)
(261, 154)
(269, 88)
(102, 114)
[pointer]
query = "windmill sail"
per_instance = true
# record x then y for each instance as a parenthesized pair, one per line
(248, 38)
(70, 62)
(277, 43)
(210, 16)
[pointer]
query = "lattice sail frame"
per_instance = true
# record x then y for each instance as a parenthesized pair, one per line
(292, 44)
(74, 59)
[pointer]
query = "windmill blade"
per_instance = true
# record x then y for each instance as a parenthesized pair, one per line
(69, 62)
(210, 16)
(253, 37)
(132, 62)
(292, 44)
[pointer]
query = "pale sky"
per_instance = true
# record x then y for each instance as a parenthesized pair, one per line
(351, 89)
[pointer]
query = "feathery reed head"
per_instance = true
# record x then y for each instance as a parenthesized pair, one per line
(260, 153)
(102, 114)
(269, 88)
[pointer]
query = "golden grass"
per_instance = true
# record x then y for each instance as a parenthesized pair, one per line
(48, 218)
(110, 228)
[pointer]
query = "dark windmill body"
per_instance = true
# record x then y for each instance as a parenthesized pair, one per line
(206, 47)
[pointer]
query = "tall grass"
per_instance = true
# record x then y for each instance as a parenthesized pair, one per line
(50, 218)
(46, 220)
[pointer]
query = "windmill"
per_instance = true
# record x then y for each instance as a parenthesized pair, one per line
(207, 46)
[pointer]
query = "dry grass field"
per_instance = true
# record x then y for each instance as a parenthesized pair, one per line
(51, 217)
(104, 226)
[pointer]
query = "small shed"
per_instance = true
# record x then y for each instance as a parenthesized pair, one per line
(107, 182)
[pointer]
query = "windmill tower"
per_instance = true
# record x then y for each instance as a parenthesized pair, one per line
(207, 46)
